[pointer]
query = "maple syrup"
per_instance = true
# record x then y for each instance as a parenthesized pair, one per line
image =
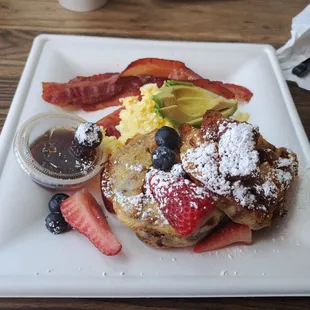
(57, 151)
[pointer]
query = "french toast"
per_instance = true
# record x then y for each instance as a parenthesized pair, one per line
(247, 176)
(123, 183)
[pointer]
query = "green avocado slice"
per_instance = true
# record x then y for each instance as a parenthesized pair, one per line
(182, 102)
(175, 115)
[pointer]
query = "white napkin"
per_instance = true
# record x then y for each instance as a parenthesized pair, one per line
(297, 48)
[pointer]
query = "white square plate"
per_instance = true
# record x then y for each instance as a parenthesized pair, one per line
(34, 262)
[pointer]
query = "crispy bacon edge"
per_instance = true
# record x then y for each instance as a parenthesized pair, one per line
(104, 90)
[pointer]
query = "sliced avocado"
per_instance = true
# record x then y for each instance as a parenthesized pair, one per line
(182, 102)
(174, 115)
(177, 83)
(193, 105)
(165, 101)
(230, 111)
(196, 122)
(192, 91)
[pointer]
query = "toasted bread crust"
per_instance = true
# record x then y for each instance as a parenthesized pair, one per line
(125, 173)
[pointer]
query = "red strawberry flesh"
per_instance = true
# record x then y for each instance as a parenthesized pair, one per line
(228, 234)
(85, 215)
(185, 205)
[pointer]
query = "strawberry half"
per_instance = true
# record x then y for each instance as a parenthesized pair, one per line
(84, 214)
(185, 205)
(230, 233)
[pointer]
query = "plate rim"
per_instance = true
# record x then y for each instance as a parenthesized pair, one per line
(10, 290)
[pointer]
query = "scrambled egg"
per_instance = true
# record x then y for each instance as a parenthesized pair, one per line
(139, 116)
(111, 144)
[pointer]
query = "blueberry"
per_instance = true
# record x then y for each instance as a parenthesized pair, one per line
(163, 158)
(56, 224)
(54, 203)
(88, 135)
(167, 136)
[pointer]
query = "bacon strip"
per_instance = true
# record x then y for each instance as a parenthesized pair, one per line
(241, 93)
(110, 121)
(169, 69)
(130, 87)
(96, 77)
(93, 93)
(104, 90)
(214, 87)
(82, 90)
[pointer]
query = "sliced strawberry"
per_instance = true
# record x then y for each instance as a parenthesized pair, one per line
(241, 93)
(84, 214)
(230, 233)
(109, 123)
(169, 69)
(185, 205)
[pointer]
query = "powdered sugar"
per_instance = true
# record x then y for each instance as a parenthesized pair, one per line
(243, 195)
(269, 189)
(193, 204)
(284, 162)
(284, 177)
(136, 201)
(229, 154)
(142, 204)
(289, 163)
(146, 214)
(183, 203)
(162, 182)
(83, 164)
(85, 132)
(236, 149)
(203, 163)
(137, 167)
(178, 170)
